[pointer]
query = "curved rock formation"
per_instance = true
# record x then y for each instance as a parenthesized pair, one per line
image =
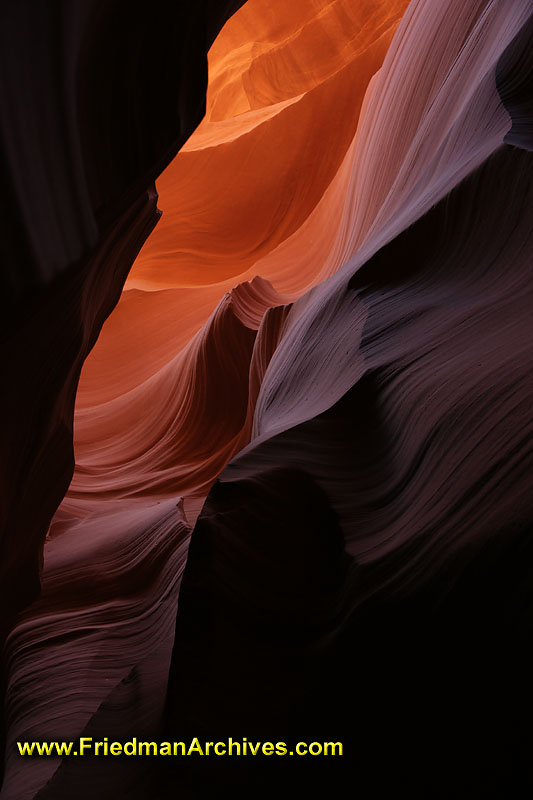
(361, 571)
(80, 151)
(328, 336)
(271, 107)
(205, 347)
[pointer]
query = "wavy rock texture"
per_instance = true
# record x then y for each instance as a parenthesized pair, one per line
(102, 627)
(80, 152)
(271, 107)
(337, 303)
(195, 358)
(362, 569)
